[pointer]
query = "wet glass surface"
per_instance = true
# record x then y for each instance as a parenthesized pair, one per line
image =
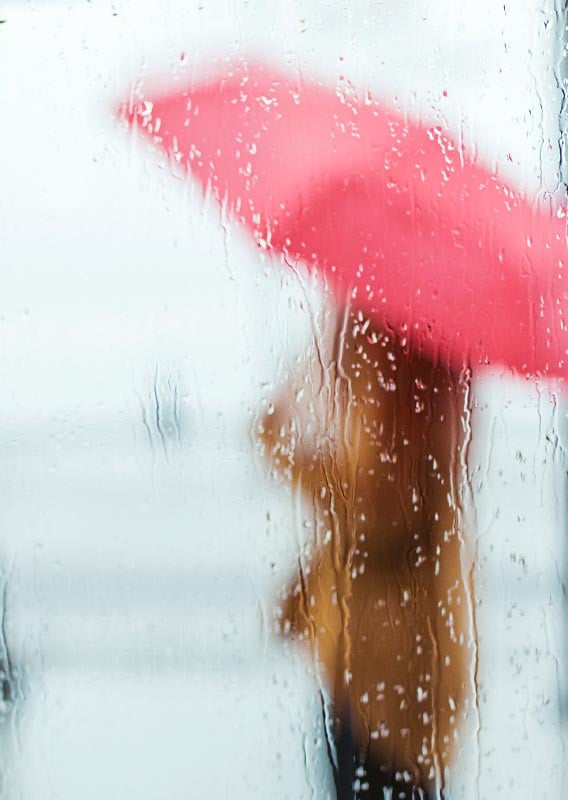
(283, 344)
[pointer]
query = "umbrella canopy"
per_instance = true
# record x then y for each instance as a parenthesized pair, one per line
(422, 238)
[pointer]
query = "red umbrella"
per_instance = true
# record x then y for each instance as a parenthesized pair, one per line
(421, 237)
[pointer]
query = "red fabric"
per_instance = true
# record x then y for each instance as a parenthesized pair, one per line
(423, 239)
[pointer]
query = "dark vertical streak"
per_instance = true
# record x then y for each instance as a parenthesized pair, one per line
(158, 415)
(464, 479)
(329, 741)
(147, 427)
(6, 665)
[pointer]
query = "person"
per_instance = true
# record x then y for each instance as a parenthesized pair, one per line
(380, 600)
(424, 239)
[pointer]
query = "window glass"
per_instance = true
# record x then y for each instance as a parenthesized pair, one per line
(282, 307)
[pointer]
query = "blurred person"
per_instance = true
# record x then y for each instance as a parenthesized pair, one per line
(427, 240)
(376, 446)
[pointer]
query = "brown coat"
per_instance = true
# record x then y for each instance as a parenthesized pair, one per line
(375, 440)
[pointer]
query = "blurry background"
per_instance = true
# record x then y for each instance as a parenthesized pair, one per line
(140, 337)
